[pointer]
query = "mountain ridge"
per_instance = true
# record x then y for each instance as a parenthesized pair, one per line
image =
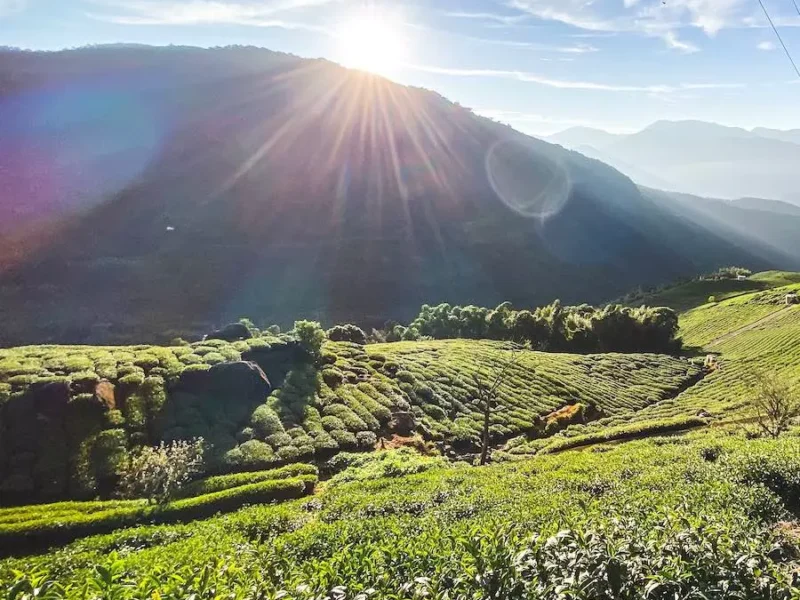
(308, 190)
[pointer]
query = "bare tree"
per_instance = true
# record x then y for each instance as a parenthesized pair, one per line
(488, 387)
(775, 404)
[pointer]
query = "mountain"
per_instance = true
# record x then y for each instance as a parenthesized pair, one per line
(584, 136)
(701, 158)
(792, 135)
(153, 192)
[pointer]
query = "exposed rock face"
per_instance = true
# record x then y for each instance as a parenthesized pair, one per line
(276, 361)
(230, 333)
(104, 390)
(241, 379)
(403, 423)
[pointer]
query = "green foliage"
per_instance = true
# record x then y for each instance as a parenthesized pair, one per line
(648, 519)
(311, 336)
(158, 474)
(347, 333)
(224, 482)
(614, 328)
(265, 422)
(376, 465)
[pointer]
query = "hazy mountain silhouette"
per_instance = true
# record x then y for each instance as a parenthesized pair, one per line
(701, 158)
(155, 191)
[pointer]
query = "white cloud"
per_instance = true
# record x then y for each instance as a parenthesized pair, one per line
(672, 41)
(196, 12)
(528, 77)
(766, 46)
(654, 18)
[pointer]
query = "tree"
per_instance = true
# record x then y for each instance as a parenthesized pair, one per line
(157, 473)
(775, 404)
(311, 337)
(488, 387)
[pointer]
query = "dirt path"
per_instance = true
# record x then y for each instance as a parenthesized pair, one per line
(753, 325)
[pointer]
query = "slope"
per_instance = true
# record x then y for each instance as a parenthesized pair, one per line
(69, 415)
(307, 189)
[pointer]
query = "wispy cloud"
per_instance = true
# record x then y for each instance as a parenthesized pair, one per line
(528, 77)
(198, 12)
(652, 18)
(488, 16)
(671, 39)
(579, 48)
(766, 46)
(10, 7)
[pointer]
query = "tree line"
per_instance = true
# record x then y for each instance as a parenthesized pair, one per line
(554, 327)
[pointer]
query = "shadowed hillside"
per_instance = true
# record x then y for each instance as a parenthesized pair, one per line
(150, 192)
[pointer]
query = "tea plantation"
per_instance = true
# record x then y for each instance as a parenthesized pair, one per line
(349, 474)
(708, 516)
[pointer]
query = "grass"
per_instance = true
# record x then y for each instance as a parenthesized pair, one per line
(660, 518)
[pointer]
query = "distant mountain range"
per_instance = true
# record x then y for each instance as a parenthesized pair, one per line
(699, 158)
(153, 192)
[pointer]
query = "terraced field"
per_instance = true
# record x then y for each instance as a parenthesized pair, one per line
(708, 322)
(438, 377)
(690, 295)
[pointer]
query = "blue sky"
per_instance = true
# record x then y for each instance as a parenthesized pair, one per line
(540, 65)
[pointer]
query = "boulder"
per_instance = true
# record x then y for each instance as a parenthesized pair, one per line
(230, 333)
(240, 379)
(403, 423)
(51, 397)
(276, 361)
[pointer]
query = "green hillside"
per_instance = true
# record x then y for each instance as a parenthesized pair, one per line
(750, 332)
(692, 294)
(64, 436)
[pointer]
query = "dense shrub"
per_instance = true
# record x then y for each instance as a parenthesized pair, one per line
(347, 333)
(265, 422)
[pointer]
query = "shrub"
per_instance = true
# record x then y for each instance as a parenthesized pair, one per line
(288, 453)
(253, 454)
(276, 440)
(345, 439)
(157, 474)
(366, 440)
(333, 378)
(265, 422)
(331, 423)
(224, 482)
(347, 333)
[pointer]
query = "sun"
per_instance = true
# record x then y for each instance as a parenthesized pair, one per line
(372, 41)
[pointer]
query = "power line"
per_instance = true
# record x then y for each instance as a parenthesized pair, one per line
(778, 35)
(796, 7)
